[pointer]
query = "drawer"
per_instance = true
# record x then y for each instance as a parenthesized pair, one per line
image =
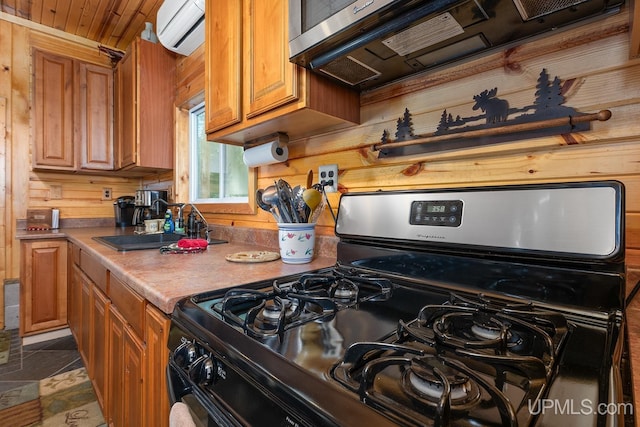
(94, 270)
(128, 303)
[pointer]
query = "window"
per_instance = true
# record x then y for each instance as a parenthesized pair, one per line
(218, 173)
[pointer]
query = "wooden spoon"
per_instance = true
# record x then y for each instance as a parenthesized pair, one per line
(310, 178)
(312, 198)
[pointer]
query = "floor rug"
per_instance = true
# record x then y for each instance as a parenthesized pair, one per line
(5, 346)
(63, 400)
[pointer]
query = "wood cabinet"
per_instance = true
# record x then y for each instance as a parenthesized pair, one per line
(99, 321)
(156, 356)
(73, 120)
(126, 380)
(43, 285)
(145, 94)
(264, 92)
(127, 349)
(122, 340)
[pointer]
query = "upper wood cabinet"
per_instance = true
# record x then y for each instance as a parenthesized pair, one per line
(73, 103)
(145, 94)
(251, 88)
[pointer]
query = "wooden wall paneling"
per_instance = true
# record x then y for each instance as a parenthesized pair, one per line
(3, 204)
(190, 79)
(19, 137)
(634, 33)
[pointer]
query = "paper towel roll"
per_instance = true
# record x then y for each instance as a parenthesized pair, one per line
(265, 154)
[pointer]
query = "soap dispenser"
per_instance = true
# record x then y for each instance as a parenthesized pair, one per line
(168, 222)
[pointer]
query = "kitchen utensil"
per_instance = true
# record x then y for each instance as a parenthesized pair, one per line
(265, 206)
(270, 197)
(310, 178)
(312, 198)
(285, 196)
(299, 204)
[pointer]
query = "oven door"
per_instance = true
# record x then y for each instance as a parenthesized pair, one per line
(203, 413)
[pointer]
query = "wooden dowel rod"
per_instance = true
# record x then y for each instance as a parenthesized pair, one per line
(602, 115)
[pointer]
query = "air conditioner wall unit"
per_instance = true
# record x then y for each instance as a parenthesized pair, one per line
(180, 25)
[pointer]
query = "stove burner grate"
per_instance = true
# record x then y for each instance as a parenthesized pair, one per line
(417, 384)
(312, 297)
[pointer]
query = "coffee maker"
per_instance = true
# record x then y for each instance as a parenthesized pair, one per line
(123, 209)
(146, 206)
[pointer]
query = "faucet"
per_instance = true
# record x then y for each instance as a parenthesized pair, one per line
(181, 207)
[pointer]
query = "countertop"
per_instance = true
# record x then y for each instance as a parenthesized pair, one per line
(164, 279)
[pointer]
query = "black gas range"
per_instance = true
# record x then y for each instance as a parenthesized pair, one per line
(497, 306)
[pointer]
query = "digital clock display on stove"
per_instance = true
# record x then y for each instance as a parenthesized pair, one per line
(442, 213)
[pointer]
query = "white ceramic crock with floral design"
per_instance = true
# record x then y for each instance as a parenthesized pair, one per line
(297, 241)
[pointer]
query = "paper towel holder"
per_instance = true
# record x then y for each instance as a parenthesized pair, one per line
(279, 137)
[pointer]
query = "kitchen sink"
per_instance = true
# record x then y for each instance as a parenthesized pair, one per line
(134, 242)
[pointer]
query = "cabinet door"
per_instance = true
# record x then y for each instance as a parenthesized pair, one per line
(126, 107)
(95, 126)
(223, 74)
(100, 305)
(114, 411)
(145, 102)
(43, 290)
(133, 380)
(273, 79)
(53, 104)
(84, 344)
(157, 354)
(126, 364)
(74, 307)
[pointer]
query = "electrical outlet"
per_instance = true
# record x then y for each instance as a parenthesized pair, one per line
(106, 193)
(329, 177)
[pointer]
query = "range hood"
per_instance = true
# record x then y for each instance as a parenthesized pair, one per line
(399, 38)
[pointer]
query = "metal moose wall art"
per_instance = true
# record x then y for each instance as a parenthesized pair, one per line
(546, 116)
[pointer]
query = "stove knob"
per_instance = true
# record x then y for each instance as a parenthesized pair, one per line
(202, 371)
(185, 354)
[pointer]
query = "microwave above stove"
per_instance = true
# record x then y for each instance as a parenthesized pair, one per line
(367, 43)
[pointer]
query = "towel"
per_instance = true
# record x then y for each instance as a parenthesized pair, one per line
(179, 416)
(192, 243)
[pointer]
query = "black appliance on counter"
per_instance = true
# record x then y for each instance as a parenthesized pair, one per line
(123, 209)
(492, 306)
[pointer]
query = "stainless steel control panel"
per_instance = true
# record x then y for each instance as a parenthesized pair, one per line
(579, 218)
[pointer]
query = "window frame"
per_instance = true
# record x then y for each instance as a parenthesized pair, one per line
(183, 168)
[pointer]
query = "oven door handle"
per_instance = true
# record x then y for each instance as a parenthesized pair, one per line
(203, 412)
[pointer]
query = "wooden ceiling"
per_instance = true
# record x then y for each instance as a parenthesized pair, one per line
(114, 23)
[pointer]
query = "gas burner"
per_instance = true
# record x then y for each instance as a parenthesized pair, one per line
(476, 330)
(429, 381)
(488, 329)
(277, 310)
(344, 290)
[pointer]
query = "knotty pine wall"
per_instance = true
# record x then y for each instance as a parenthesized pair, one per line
(593, 63)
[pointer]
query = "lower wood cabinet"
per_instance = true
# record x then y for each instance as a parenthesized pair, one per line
(156, 355)
(100, 319)
(123, 342)
(43, 285)
(126, 377)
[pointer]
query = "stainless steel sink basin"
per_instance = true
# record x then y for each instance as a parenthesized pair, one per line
(134, 242)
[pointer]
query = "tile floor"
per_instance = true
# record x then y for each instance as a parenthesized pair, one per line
(31, 363)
